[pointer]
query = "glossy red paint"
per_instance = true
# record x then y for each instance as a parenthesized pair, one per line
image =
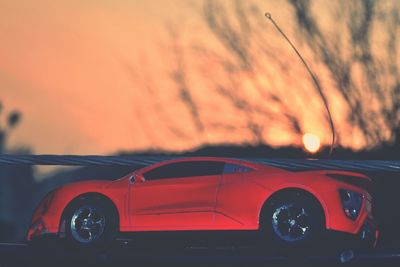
(231, 201)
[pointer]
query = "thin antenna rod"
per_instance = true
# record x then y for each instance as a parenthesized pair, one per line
(321, 93)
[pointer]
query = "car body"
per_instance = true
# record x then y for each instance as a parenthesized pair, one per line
(212, 194)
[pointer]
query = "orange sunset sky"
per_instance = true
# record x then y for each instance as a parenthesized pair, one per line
(94, 77)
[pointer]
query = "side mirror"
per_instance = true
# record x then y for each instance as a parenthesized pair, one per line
(139, 178)
(136, 178)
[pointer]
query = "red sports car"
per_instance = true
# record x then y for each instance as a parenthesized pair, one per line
(211, 194)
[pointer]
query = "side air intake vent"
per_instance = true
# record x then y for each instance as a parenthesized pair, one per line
(364, 183)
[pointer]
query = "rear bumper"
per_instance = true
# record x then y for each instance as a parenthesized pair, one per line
(369, 233)
(366, 238)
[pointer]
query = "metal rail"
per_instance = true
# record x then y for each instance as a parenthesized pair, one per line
(137, 161)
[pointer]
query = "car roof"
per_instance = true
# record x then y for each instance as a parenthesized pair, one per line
(246, 163)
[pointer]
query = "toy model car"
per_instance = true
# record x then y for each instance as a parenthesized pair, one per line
(290, 209)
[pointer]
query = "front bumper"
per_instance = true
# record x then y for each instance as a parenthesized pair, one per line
(39, 229)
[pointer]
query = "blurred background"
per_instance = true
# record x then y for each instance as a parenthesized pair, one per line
(193, 77)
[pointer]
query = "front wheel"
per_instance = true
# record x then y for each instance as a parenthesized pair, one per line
(91, 224)
(293, 222)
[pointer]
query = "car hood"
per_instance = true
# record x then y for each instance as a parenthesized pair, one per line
(88, 183)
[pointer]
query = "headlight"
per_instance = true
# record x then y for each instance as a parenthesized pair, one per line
(36, 229)
(45, 203)
(351, 202)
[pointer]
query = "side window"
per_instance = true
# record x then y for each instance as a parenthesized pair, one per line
(235, 168)
(185, 169)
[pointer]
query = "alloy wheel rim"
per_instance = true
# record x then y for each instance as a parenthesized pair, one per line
(87, 224)
(291, 223)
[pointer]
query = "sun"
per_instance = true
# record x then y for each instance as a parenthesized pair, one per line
(311, 142)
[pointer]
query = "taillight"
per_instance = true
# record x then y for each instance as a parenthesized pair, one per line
(351, 202)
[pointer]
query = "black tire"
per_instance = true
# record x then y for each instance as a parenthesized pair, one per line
(292, 222)
(91, 224)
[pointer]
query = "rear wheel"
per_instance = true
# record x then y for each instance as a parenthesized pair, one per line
(293, 222)
(91, 224)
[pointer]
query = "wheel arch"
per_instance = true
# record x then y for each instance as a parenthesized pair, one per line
(87, 195)
(292, 190)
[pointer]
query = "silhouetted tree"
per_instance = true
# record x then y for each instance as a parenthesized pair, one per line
(366, 74)
(247, 57)
(17, 187)
(255, 74)
(13, 118)
(178, 75)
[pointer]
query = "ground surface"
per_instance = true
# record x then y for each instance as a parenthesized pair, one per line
(24, 255)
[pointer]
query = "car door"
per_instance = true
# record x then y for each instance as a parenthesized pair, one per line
(175, 196)
(233, 197)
